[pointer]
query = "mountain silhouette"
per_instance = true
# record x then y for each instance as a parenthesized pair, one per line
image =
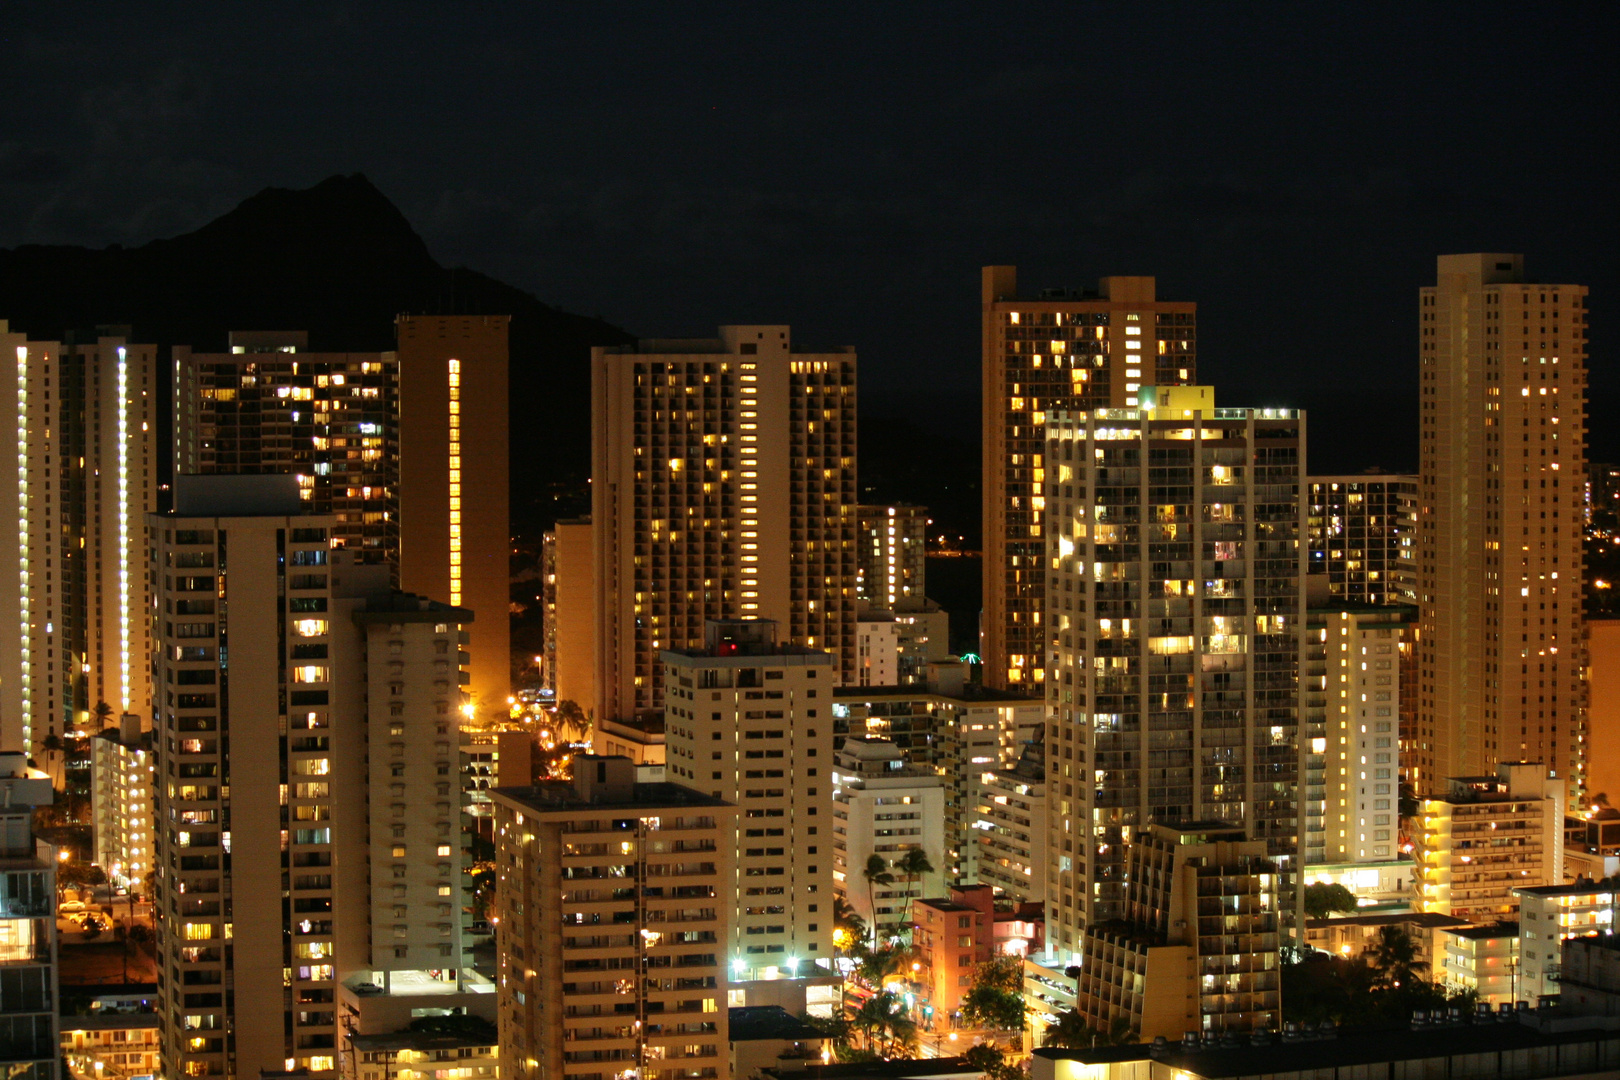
(340, 261)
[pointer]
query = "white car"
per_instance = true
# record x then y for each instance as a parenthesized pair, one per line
(71, 907)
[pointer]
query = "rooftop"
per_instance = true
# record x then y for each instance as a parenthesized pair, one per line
(560, 796)
(1344, 1052)
(395, 607)
(1486, 933)
(748, 1023)
(1429, 920)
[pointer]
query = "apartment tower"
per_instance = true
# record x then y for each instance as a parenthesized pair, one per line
(378, 441)
(750, 722)
(1176, 623)
(1362, 532)
(1502, 504)
(31, 1046)
(616, 897)
(85, 479)
(723, 486)
(1061, 351)
(308, 822)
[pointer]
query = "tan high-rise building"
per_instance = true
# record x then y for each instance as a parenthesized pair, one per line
(1503, 463)
(1059, 351)
(308, 805)
(574, 623)
(85, 478)
(455, 523)
(407, 450)
(723, 486)
(616, 909)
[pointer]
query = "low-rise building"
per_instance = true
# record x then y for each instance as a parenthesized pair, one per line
(616, 910)
(1549, 915)
(108, 1045)
(1355, 934)
(769, 1037)
(1380, 887)
(1592, 843)
(1486, 836)
(1484, 959)
(435, 1054)
(1589, 982)
(1198, 947)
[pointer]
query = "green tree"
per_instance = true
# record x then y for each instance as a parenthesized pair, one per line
(996, 998)
(573, 722)
(993, 1063)
(1323, 898)
(886, 1025)
(849, 929)
(1393, 956)
(873, 966)
(913, 864)
(877, 873)
(1070, 1030)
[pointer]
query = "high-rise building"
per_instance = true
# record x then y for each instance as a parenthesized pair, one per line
(1197, 946)
(616, 906)
(1061, 351)
(723, 486)
(884, 806)
(1175, 617)
(1352, 721)
(455, 537)
(122, 794)
(1011, 827)
(86, 478)
(1502, 507)
(1485, 836)
(377, 441)
(574, 625)
(29, 1044)
(1362, 532)
(891, 557)
(309, 822)
(750, 722)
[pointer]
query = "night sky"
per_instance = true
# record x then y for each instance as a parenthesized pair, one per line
(847, 169)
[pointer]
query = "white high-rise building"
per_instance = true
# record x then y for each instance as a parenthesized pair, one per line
(1501, 513)
(1175, 620)
(85, 478)
(750, 721)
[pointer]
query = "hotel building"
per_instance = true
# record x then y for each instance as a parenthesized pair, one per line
(750, 722)
(1197, 948)
(377, 441)
(1060, 351)
(723, 486)
(1353, 706)
(1501, 512)
(616, 916)
(1176, 623)
(1487, 836)
(1362, 532)
(86, 476)
(309, 824)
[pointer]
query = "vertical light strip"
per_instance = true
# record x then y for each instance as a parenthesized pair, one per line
(26, 677)
(123, 528)
(455, 482)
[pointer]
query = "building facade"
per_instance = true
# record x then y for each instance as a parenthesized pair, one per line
(1197, 948)
(1011, 828)
(1487, 836)
(723, 486)
(122, 796)
(1501, 512)
(28, 978)
(1062, 351)
(612, 952)
(1353, 709)
(750, 722)
(1362, 532)
(1550, 915)
(309, 818)
(378, 442)
(884, 806)
(86, 477)
(1175, 617)
(891, 558)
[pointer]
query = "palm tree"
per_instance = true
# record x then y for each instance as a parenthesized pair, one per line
(573, 722)
(103, 714)
(1071, 1030)
(1394, 954)
(53, 750)
(914, 864)
(877, 873)
(851, 926)
(887, 1025)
